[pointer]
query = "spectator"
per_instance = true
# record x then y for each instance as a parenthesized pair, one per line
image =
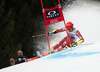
(21, 58)
(12, 61)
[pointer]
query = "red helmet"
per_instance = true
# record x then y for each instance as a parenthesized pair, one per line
(69, 24)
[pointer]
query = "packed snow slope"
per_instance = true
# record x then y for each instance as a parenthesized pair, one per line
(85, 16)
(84, 58)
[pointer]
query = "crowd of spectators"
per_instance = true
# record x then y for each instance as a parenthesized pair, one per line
(20, 58)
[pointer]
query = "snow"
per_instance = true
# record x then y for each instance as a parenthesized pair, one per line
(86, 58)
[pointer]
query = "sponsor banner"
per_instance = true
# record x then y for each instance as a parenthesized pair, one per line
(30, 59)
(53, 15)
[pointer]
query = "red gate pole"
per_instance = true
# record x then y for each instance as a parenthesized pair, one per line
(58, 1)
(66, 28)
(46, 28)
(42, 4)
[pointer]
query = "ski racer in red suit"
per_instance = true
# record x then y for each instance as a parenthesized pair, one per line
(74, 35)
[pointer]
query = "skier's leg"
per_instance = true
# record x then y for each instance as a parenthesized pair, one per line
(59, 44)
(67, 42)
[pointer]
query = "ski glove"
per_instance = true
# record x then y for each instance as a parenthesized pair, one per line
(80, 41)
(53, 32)
(74, 44)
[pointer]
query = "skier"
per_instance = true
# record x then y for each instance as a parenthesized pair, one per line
(74, 35)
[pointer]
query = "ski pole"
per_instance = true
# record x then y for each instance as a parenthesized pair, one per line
(50, 33)
(86, 44)
(39, 35)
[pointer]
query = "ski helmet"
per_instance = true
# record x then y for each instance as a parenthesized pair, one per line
(69, 24)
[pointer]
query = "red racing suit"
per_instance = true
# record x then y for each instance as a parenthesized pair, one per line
(74, 37)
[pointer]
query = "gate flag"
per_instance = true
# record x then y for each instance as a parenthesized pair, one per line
(53, 15)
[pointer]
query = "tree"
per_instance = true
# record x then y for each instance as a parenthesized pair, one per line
(19, 20)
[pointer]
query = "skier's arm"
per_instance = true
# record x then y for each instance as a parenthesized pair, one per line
(80, 41)
(58, 30)
(80, 37)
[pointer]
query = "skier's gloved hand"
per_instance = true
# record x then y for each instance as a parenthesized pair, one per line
(54, 31)
(74, 44)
